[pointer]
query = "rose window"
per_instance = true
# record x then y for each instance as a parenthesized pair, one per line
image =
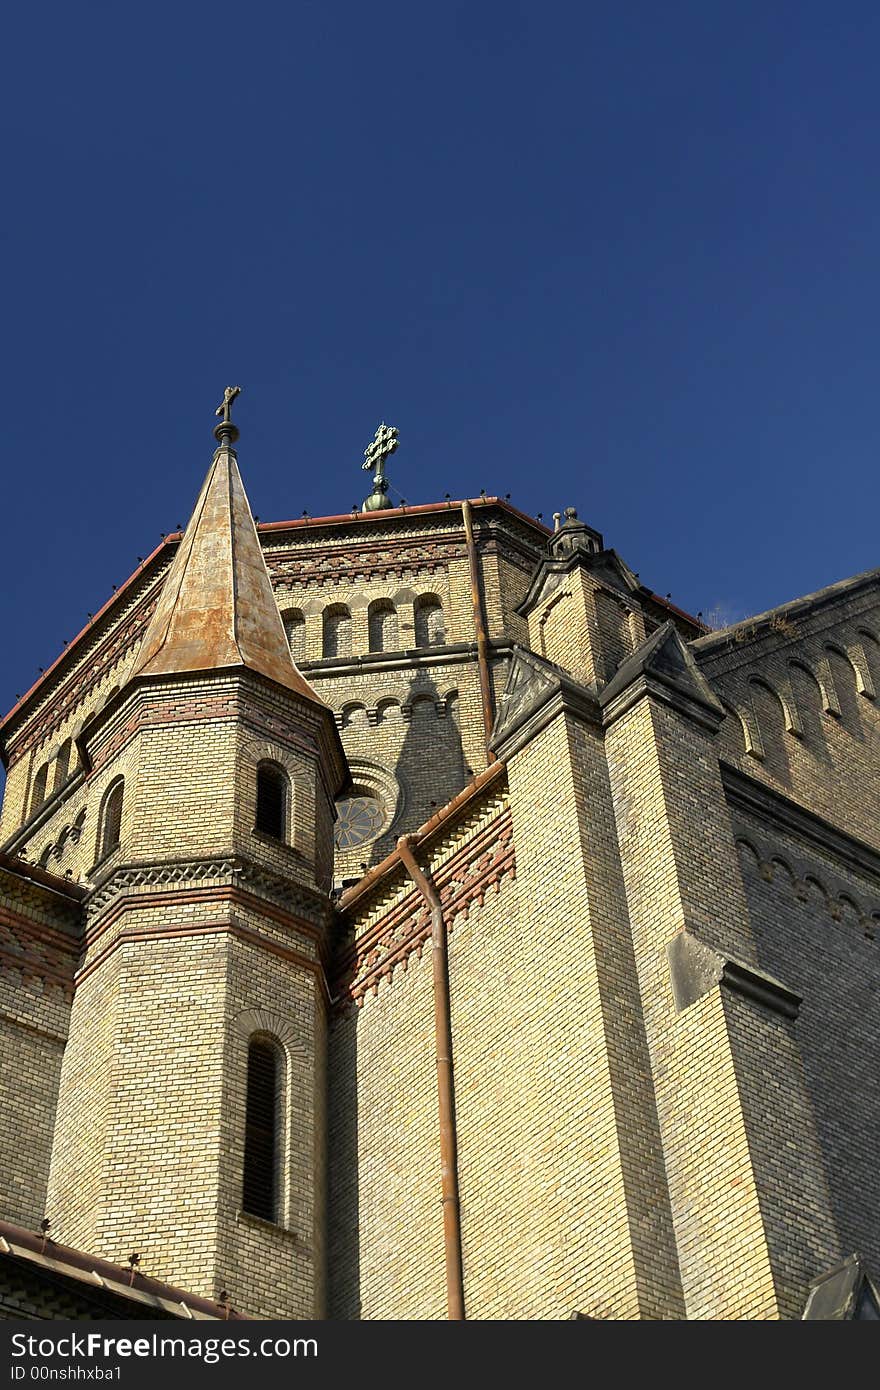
(358, 819)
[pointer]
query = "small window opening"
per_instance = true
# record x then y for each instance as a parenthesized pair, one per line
(111, 825)
(39, 792)
(271, 800)
(260, 1189)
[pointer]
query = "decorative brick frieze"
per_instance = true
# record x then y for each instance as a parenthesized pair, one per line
(359, 564)
(480, 865)
(398, 557)
(811, 878)
(75, 692)
(233, 870)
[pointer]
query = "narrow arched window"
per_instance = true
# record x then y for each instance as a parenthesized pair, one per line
(62, 763)
(262, 1147)
(111, 818)
(295, 630)
(39, 792)
(383, 628)
(430, 631)
(272, 792)
(337, 631)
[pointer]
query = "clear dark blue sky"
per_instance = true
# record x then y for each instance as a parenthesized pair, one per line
(622, 256)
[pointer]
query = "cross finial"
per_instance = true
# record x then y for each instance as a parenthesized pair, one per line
(384, 444)
(226, 432)
(225, 406)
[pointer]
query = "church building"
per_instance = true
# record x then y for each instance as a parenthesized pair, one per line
(409, 914)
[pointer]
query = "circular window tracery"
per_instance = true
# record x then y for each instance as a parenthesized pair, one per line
(359, 818)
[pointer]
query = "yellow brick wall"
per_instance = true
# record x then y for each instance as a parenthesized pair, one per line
(817, 922)
(38, 931)
(616, 1158)
(386, 1221)
(30, 1065)
(562, 1196)
(730, 1202)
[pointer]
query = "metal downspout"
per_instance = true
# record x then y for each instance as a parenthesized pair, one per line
(480, 626)
(445, 1085)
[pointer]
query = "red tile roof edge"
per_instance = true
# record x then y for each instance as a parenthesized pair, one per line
(682, 612)
(11, 862)
(65, 652)
(33, 1242)
(418, 509)
(268, 527)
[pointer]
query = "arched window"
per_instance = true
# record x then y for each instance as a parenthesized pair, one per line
(337, 630)
(272, 790)
(39, 792)
(62, 763)
(262, 1134)
(430, 631)
(111, 818)
(295, 630)
(382, 621)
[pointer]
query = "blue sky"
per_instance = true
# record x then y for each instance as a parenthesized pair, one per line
(621, 256)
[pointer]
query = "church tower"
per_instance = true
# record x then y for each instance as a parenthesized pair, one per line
(191, 1125)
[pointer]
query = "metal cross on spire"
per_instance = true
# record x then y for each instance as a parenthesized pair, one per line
(225, 406)
(383, 446)
(226, 432)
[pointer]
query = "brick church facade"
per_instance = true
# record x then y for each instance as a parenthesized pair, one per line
(409, 914)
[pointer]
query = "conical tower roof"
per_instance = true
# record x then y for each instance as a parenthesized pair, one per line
(217, 609)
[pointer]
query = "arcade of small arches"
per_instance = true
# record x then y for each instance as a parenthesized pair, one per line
(70, 835)
(383, 627)
(807, 687)
(56, 771)
(840, 904)
(389, 710)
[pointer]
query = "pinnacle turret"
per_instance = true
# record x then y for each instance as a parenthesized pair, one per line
(217, 608)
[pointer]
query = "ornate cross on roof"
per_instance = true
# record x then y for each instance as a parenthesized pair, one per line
(383, 446)
(225, 407)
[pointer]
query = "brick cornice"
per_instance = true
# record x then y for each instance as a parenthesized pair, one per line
(237, 871)
(778, 811)
(228, 704)
(653, 685)
(35, 878)
(414, 658)
(176, 898)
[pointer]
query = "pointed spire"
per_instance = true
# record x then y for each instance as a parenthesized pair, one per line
(217, 608)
